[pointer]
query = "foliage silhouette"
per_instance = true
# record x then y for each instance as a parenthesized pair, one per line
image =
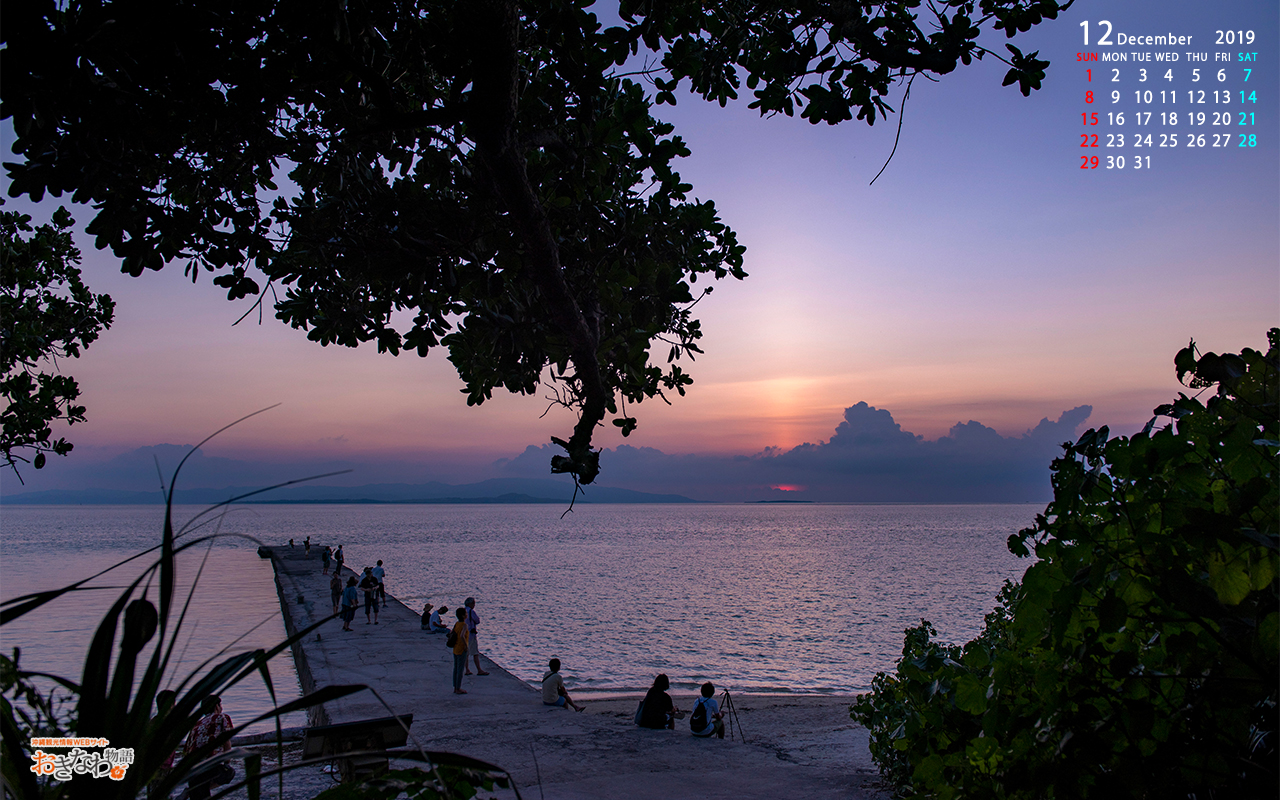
(117, 706)
(1138, 657)
(46, 313)
(482, 176)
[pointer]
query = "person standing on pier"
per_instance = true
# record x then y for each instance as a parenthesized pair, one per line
(350, 600)
(473, 619)
(324, 559)
(306, 547)
(381, 575)
(212, 725)
(335, 591)
(370, 586)
(338, 558)
(460, 636)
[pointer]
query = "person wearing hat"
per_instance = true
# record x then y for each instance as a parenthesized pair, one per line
(553, 691)
(473, 649)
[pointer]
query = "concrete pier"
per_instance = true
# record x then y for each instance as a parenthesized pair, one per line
(808, 747)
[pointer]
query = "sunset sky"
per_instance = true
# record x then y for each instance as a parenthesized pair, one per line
(983, 277)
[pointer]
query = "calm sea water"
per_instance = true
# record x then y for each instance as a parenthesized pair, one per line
(776, 598)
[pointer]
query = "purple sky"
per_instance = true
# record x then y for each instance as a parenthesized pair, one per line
(983, 277)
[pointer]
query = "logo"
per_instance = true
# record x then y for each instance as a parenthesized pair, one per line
(111, 762)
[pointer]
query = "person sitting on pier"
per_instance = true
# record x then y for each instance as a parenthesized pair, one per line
(435, 624)
(350, 602)
(553, 691)
(657, 711)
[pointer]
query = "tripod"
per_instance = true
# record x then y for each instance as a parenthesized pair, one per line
(731, 716)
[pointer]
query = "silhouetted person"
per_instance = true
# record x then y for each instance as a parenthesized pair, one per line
(460, 635)
(350, 602)
(370, 586)
(706, 718)
(658, 711)
(213, 724)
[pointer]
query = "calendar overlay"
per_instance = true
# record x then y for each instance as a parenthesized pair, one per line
(1146, 96)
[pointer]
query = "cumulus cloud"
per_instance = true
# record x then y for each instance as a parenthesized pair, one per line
(869, 458)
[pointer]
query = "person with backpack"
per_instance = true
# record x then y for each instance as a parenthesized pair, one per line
(473, 619)
(335, 591)
(457, 639)
(707, 718)
(553, 691)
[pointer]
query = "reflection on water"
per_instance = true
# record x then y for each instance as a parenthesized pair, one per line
(809, 598)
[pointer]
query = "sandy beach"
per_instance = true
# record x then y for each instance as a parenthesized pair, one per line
(795, 745)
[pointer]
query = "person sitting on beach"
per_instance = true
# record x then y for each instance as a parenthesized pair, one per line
(435, 624)
(350, 602)
(370, 586)
(553, 691)
(657, 711)
(706, 718)
(165, 698)
(211, 726)
(335, 591)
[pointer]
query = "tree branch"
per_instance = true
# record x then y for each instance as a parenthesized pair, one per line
(492, 118)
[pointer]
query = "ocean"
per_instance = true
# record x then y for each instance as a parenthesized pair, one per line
(763, 598)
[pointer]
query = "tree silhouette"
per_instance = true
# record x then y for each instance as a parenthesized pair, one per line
(483, 176)
(46, 313)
